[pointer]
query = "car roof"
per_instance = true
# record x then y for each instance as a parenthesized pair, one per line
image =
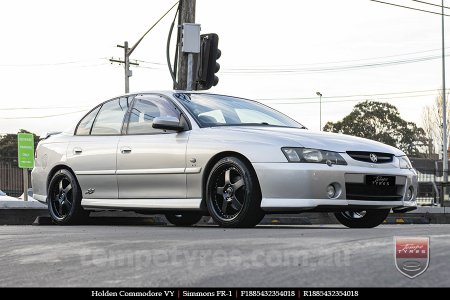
(168, 92)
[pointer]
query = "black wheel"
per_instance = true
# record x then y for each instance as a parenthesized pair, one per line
(362, 218)
(184, 218)
(64, 199)
(233, 197)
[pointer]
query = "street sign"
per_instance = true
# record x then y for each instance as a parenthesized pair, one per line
(25, 147)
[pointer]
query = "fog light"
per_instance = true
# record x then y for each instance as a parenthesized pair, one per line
(331, 191)
(409, 193)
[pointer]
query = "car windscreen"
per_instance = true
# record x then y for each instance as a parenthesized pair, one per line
(217, 110)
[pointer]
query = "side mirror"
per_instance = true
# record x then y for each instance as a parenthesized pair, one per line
(167, 123)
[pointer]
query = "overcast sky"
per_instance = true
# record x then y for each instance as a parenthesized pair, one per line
(54, 55)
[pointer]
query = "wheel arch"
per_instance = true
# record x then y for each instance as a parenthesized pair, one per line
(213, 160)
(56, 169)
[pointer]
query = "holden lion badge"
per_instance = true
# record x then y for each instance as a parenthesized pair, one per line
(412, 255)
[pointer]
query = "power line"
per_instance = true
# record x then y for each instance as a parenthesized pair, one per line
(349, 100)
(41, 107)
(268, 69)
(129, 51)
(150, 29)
(150, 62)
(432, 4)
(408, 7)
(332, 68)
(310, 64)
(288, 69)
(51, 64)
(344, 61)
(351, 96)
(43, 117)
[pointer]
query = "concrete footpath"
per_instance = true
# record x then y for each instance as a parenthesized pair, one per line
(32, 212)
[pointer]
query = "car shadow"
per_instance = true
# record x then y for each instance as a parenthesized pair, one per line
(161, 222)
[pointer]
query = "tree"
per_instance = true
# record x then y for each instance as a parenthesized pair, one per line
(381, 122)
(8, 146)
(432, 118)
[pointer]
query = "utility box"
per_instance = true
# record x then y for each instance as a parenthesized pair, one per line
(191, 38)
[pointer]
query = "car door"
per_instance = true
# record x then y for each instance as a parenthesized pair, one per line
(92, 152)
(151, 162)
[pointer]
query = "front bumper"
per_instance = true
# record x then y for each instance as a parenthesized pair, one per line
(302, 186)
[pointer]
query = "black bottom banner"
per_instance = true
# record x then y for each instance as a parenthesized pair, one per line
(222, 293)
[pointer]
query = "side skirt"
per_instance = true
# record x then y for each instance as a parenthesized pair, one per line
(159, 204)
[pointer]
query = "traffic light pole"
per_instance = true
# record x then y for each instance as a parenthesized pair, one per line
(187, 15)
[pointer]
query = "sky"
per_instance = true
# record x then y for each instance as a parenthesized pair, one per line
(54, 55)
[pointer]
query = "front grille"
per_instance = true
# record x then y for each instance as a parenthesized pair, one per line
(366, 156)
(361, 191)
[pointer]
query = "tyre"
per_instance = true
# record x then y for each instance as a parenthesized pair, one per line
(362, 219)
(183, 219)
(233, 196)
(64, 199)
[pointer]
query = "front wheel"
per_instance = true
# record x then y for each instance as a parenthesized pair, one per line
(233, 196)
(362, 219)
(64, 199)
(183, 219)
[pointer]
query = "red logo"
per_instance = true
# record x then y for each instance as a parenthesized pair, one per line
(412, 255)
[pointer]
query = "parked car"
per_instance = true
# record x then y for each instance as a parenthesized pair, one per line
(189, 154)
(29, 194)
(5, 197)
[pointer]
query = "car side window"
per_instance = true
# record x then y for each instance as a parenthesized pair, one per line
(145, 109)
(85, 125)
(110, 118)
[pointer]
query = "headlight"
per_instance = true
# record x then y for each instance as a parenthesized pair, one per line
(305, 155)
(404, 162)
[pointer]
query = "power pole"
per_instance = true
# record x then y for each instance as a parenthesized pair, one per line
(187, 15)
(129, 51)
(444, 102)
(320, 110)
(127, 63)
(444, 114)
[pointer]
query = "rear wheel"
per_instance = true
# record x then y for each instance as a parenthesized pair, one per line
(64, 199)
(233, 197)
(184, 218)
(363, 218)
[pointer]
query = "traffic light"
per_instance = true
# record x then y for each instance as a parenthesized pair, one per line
(207, 61)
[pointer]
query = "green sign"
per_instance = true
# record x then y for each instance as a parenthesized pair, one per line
(25, 147)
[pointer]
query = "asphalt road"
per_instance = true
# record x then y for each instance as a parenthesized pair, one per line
(209, 256)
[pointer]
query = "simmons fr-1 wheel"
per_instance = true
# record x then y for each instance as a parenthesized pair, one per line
(64, 199)
(363, 218)
(183, 218)
(233, 197)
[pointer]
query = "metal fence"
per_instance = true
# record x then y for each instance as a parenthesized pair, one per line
(430, 190)
(11, 178)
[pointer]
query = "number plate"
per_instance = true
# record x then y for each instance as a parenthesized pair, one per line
(378, 180)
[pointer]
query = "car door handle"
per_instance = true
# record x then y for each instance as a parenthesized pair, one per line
(77, 150)
(125, 150)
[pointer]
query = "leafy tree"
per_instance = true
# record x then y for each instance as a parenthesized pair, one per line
(8, 146)
(381, 122)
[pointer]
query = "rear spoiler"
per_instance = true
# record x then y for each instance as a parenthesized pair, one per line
(46, 135)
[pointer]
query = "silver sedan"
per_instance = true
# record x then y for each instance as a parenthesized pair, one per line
(189, 154)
